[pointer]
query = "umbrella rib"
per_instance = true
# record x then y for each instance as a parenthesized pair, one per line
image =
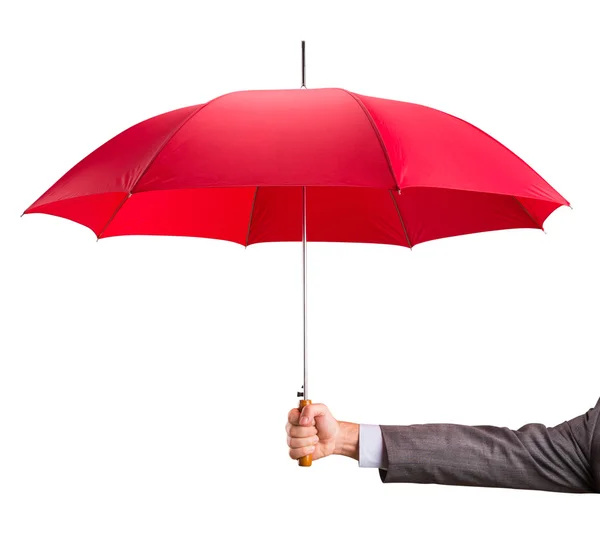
(251, 214)
(401, 220)
(153, 158)
(169, 137)
(377, 134)
(528, 213)
(113, 216)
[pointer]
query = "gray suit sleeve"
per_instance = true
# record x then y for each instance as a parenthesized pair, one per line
(564, 458)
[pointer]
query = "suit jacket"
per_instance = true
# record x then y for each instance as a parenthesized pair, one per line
(564, 458)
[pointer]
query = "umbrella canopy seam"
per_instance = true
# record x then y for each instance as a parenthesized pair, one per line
(377, 133)
(99, 236)
(168, 139)
(154, 157)
(401, 220)
(528, 213)
(251, 214)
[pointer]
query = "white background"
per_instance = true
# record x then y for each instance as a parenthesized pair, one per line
(145, 381)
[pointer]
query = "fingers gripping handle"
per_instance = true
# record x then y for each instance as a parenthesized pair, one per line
(305, 461)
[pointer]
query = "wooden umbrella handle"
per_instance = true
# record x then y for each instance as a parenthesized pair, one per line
(305, 461)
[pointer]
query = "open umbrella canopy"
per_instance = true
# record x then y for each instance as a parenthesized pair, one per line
(375, 170)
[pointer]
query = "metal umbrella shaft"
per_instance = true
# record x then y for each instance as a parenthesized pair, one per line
(305, 383)
(305, 461)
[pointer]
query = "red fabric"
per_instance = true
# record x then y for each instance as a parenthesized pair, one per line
(376, 170)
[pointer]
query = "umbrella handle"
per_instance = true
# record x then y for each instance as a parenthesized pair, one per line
(305, 461)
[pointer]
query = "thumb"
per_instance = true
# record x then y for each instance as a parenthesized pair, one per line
(312, 412)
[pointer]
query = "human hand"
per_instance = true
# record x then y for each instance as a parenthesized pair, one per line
(315, 431)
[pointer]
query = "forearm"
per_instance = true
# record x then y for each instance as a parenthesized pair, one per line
(533, 457)
(346, 443)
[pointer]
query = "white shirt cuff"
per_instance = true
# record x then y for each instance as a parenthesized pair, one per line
(371, 451)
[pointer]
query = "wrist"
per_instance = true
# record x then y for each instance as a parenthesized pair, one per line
(346, 443)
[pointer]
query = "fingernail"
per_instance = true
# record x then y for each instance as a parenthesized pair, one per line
(311, 449)
(316, 439)
(304, 420)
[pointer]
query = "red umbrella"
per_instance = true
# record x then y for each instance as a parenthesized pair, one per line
(302, 165)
